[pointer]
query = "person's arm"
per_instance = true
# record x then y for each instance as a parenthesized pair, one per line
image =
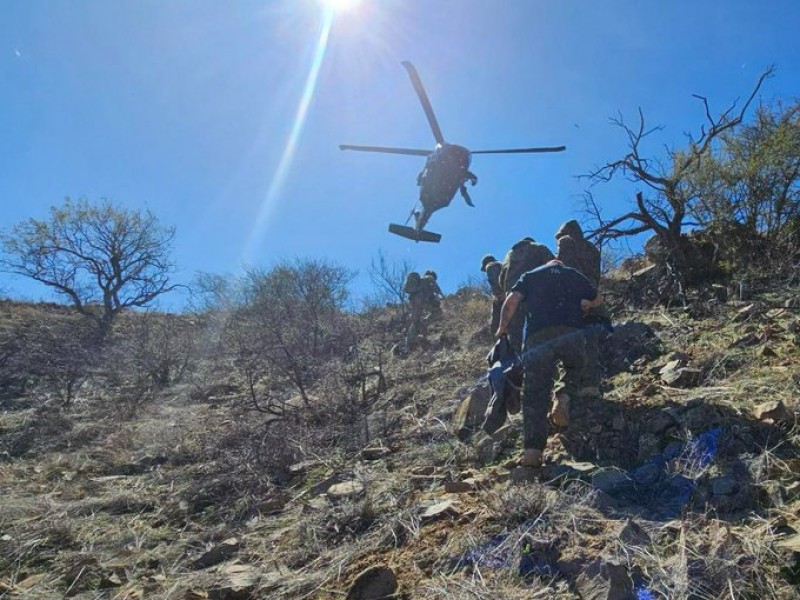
(587, 305)
(508, 310)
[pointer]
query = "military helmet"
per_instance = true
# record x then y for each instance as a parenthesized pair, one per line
(431, 274)
(486, 260)
(571, 228)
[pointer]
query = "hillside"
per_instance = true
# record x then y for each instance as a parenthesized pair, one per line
(681, 490)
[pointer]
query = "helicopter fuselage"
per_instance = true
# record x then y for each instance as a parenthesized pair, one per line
(446, 170)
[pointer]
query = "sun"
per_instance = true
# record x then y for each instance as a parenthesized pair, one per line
(338, 6)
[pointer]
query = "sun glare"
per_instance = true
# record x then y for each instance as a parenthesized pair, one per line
(340, 5)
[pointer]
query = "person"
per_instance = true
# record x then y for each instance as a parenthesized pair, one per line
(413, 287)
(524, 256)
(492, 267)
(432, 295)
(555, 298)
(579, 253)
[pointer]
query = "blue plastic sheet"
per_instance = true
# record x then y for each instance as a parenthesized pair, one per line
(642, 593)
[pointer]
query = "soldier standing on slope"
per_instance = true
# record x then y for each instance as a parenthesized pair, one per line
(579, 253)
(492, 268)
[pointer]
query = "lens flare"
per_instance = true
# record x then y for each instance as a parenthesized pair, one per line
(340, 5)
(281, 172)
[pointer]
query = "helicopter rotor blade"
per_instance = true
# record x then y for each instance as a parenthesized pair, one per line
(521, 150)
(386, 150)
(423, 98)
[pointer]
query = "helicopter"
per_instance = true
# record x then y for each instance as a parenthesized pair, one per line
(446, 169)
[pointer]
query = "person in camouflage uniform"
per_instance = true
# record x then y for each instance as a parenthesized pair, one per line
(432, 295)
(492, 267)
(413, 287)
(579, 253)
(524, 256)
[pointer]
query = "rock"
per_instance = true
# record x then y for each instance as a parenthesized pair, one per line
(675, 375)
(217, 554)
(725, 485)
(659, 422)
(629, 342)
(446, 508)
(766, 352)
(610, 481)
(523, 475)
(772, 412)
(486, 449)
(646, 475)
(633, 534)
(374, 583)
(346, 489)
(649, 445)
(743, 314)
(457, 487)
(506, 436)
(324, 485)
(375, 453)
(470, 412)
(602, 580)
(424, 471)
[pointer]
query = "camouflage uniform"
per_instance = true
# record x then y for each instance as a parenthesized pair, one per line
(577, 252)
(492, 268)
(414, 288)
(524, 256)
(431, 293)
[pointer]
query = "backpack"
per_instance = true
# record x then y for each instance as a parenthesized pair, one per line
(413, 283)
(524, 256)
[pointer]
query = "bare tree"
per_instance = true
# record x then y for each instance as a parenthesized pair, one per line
(663, 209)
(387, 279)
(101, 257)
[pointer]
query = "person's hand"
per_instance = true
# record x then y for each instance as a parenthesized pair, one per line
(501, 331)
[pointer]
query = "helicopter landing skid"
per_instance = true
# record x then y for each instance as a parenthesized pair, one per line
(413, 234)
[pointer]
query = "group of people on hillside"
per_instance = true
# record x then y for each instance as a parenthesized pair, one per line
(424, 301)
(549, 308)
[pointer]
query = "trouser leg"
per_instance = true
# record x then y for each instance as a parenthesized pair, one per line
(591, 370)
(536, 389)
(515, 328)
(571, 350)
(496, 306)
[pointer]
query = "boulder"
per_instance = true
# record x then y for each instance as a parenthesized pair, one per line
(447, 508)
(610, 480)
(773, 412)
(470, 412)
(375, 453)
(458, 487)
(601, 580)
(219, 553)
(374, 583)
(346, 489)
(675, 374)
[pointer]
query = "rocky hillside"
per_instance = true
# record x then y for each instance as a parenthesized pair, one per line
(681, 482)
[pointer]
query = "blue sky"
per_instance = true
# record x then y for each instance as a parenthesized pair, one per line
(188, 107)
